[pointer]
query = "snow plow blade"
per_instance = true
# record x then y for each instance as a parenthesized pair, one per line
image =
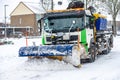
(68, 52)
(46, 50)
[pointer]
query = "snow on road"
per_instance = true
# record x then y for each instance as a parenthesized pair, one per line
(12, 67)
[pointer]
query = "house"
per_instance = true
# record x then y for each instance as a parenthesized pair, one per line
(27, 14)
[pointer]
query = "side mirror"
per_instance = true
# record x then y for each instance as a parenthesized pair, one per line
(91, 21)
(91, 26)
(87, 25)
(40, 25)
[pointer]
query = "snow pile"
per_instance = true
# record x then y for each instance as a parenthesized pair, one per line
(12, 67)
(17, 68)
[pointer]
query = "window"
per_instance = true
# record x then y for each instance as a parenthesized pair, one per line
(64, 24)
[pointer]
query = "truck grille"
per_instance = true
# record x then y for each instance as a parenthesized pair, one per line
(72, 38)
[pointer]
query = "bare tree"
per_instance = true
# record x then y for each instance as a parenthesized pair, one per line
(47, 4)
(110, 6)
(113, 7)
(52, 5)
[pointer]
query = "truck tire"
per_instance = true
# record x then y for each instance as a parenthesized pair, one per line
(108, 48)
(105, 51)
(93, 55)
(111, 41)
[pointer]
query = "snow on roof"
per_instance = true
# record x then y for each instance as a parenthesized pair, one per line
(35, 7)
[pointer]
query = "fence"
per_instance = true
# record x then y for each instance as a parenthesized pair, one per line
(15, 31)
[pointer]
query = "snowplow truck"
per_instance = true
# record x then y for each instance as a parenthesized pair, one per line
(71, 35)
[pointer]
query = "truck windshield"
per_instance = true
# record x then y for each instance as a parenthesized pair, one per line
(63, 24)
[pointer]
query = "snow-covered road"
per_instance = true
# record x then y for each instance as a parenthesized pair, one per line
(12, 67)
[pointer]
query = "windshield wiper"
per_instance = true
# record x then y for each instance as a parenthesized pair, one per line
(72, 25)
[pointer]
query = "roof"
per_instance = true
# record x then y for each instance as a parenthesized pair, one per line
(29, 7)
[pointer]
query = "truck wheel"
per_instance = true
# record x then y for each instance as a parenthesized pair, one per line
(111, 41)
(108, 48)
(92, 53)
(105, 51)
